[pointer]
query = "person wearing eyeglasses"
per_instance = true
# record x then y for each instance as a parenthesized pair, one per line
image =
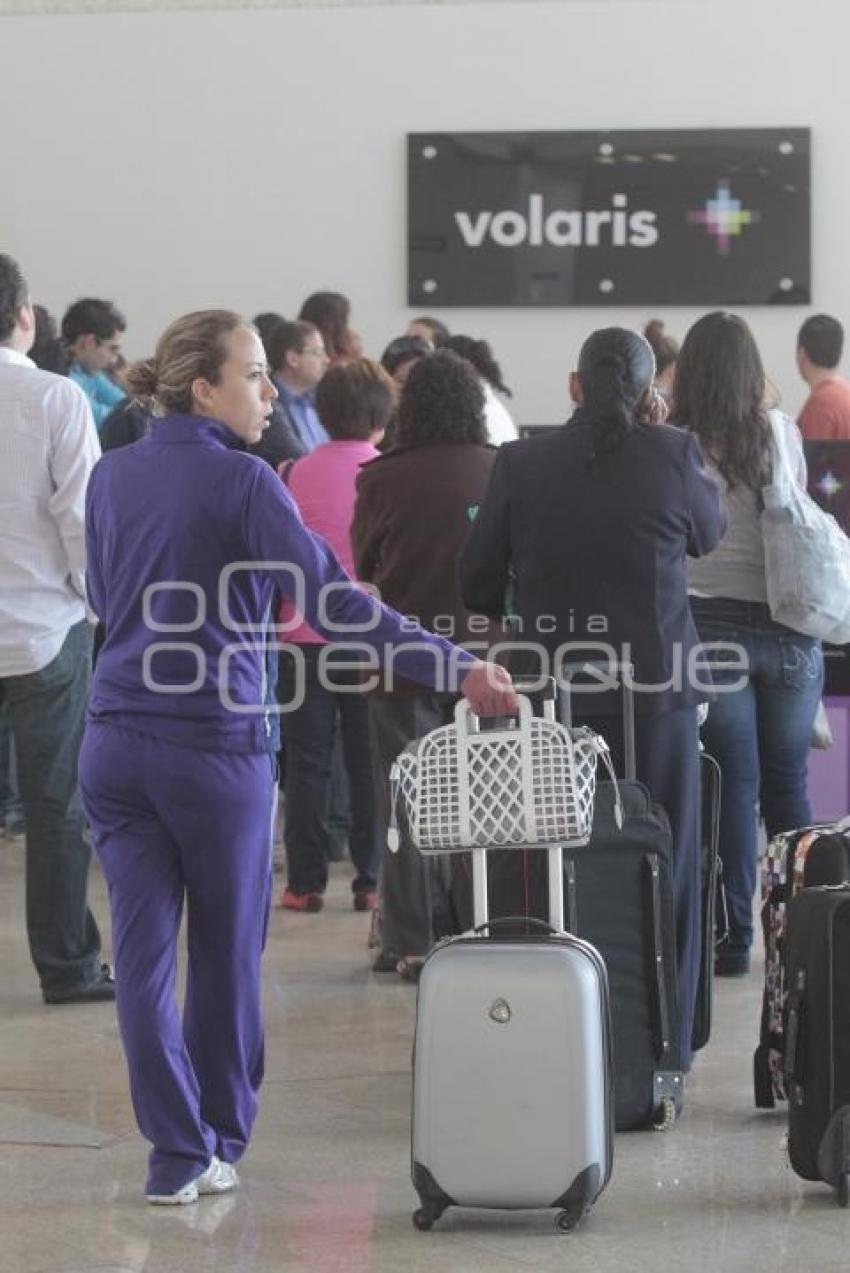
(92, 330)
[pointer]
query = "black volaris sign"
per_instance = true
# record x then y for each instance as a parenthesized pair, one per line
(689, 217)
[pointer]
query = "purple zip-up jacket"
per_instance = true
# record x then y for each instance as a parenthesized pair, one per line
(187, 540)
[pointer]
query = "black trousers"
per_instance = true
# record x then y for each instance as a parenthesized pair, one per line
(419, 901)
(309, 732)
(46, 713)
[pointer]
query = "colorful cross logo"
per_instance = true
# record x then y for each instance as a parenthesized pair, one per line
(723, 217)
(829, 485)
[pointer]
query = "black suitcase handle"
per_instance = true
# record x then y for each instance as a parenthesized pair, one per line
(621, 675)
(793, 1060)
(664, 1040)
(511, 921)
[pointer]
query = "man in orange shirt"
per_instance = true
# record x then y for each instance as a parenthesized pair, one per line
(826, 412)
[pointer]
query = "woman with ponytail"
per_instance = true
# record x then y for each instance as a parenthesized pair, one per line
(590, 525)
(189, 539)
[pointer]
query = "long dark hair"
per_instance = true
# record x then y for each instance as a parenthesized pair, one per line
(330, 312)
(48, 351)
(719, 396)
(479, 353)
(615, 368)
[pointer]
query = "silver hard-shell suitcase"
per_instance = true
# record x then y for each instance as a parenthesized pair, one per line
(512, 1089)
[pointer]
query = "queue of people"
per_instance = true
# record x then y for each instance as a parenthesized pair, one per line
(261, 509)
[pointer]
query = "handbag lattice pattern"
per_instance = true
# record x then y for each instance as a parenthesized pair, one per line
(532, 784)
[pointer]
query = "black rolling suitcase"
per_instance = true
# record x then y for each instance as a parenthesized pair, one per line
(619, 897)
(817, 1040)
(795, 861)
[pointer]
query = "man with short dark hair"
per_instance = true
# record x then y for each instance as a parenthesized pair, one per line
(91, 330)
(48, 447)
(826, 412)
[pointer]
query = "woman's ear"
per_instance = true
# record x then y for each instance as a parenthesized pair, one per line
(201, 391)
(576, 391)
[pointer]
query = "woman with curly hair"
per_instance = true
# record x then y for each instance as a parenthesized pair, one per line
(500, 425)
(414, 509)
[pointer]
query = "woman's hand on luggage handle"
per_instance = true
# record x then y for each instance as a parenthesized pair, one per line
(489, 690)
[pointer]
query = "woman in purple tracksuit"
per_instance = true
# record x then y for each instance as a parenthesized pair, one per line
(188, 540)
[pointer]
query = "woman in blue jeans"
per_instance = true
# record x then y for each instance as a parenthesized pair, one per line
(768, 678)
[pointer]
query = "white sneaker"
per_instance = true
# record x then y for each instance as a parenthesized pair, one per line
(182, 1198)
(219, 1177)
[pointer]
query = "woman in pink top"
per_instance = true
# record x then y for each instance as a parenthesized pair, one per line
(354, 403)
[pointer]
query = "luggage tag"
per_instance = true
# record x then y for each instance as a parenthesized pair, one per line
(603, 751)
(393, 834)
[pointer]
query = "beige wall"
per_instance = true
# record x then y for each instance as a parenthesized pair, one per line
(173, 160)
(127, 6)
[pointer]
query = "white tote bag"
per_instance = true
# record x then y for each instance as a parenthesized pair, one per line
(532, 783)
(806, 554)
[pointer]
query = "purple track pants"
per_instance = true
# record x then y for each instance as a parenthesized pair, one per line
(172, 824)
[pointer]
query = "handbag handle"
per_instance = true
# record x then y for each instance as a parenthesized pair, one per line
(464, 718)
(784, 477)
(468, 722)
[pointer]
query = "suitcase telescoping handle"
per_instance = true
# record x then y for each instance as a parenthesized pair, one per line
(480, 905)
(542, 688)
(609, 676)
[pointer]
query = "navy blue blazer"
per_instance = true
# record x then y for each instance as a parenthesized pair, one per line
(587, 551)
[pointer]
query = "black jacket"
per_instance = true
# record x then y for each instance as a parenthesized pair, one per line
(594, 551)
(280, 441)
(126, 423)
(414, 508)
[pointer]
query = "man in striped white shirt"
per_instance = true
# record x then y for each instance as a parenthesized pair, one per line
(48, 447)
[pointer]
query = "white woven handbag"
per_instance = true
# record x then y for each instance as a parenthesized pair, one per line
(530, 784)
(806, 554)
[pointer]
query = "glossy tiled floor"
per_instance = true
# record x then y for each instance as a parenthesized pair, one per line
(325, 1184)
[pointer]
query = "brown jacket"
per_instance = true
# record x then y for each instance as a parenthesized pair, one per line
(414, 510)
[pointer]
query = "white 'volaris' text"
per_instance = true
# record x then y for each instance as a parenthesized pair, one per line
(561, 228)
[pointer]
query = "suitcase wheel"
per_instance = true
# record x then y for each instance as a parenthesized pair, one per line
(664, 1115)
(844, 1189)
(566, 1221)
(425, 1217)
(763, 1089)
